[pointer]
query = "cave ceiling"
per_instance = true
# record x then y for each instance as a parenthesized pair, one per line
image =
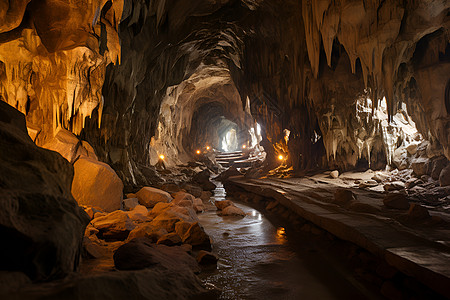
(104, 69)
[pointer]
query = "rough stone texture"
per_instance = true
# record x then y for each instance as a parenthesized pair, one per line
(206, 258)
(96, 184)
(130, 203)
(396, 200)
(232, 211)
(223, 204)
(196, 237)
(148, 231)
(41, 224)
(116, 225)
(149, 196)
(444, 177)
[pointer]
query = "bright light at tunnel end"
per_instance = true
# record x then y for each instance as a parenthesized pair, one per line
(162, 157)
(280, 157)
(198, 151)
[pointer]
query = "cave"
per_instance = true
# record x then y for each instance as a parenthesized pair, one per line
(234, 149)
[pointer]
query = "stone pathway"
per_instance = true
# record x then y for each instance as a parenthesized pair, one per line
(419, 251)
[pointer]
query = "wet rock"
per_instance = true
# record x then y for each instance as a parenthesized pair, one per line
(394, 186)
(196, 237)
(437, 166)
(232, 211)
(420, 166)
(222, 204)
(148, 231)
(170, 239)
(334, 174)
(206, 258)
(343, 196)
(115, 226)
(42, 225)
(130, 203)
(96, 184)
(396, 200)
(149, 196)
(418, 212)
(444, 177)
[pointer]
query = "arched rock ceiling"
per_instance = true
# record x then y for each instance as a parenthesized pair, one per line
(285, 56)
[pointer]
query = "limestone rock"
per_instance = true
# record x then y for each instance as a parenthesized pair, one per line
(420, 166)
(170, 239)
(334, 174)
(130, 203)
(206, 258)
(396, 200)
(116, 225)
(437, 166)
(412, 148)
(394, 186)
(232, 211)
(149, 196)
(222, 204)
(400, 158)
(43, 238)
(96, 184)
(69, 146)
(418, 212)
(148, 231)
(444, 177)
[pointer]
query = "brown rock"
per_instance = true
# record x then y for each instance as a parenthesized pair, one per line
(272, 205)
(394, 186)
(444, 177)
(206, 258)
(147, 230)
(130, 203)
(420, 166)
(232, 211)
(196, 237)
(418, 212)
(96, 184)
(222, 204)
(396, 200)
(180, 196)
(437, 166)
(139, 214)
(343, 196)
(170, 239)
(182, 227)
(206, 195)
(149, 196)
(116, 225)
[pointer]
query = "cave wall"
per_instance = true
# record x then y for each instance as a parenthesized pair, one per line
(108, 71)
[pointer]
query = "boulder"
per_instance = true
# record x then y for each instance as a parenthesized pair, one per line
(368, 184)
(96, 184)
(196, 237)
(420, 166)
(222, 204)
(130, 203)
(149, 196)
(418, 212)
(334, 174)
(179, 196)
(444, 177)
(394, 186)
(396, 200)
(343, 196)
(412, 182)
(169, 217)
(139, 214)
(147, 230)
(437, 166)
(198, 205)
(380, 177)
(170, 239)
(400, 158)
(412, 148)
(230, 172)
(182, 227)
(206, 195)
(141, 253)
(232, 211)
(206, 258)
(114, 226)
(69, 146)
(42, 226)
(192, 189)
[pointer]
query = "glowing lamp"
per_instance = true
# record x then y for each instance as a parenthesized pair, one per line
(198, 151)
(208, 147)
(280, 157)
(243, 146)
(161, 157)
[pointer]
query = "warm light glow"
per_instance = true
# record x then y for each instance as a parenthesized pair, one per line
(243, 146)
(161, 157)
(198, 152)
(208, 147)
(280, 157)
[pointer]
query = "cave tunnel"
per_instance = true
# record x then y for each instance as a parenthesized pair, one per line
(234, 149)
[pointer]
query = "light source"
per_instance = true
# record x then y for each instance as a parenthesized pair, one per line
(208, 147)
(280, 157)
(198, 152)
(161, 157)
(243, 146)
